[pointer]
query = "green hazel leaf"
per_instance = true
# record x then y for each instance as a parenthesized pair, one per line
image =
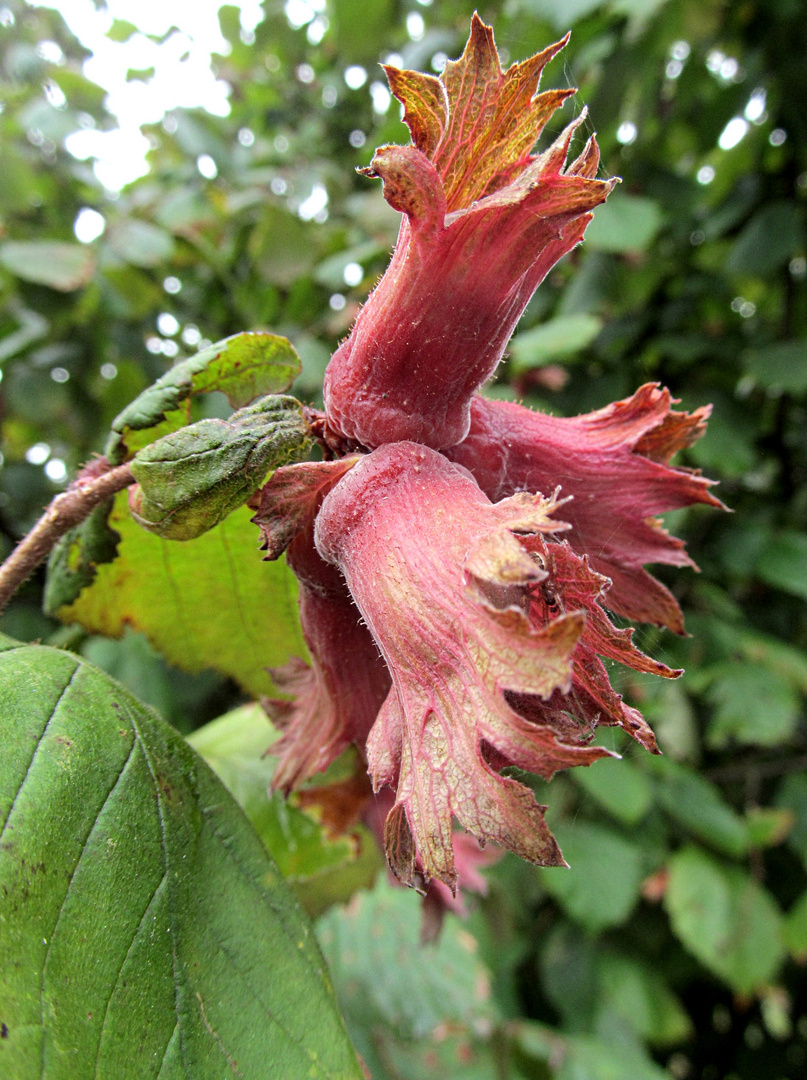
(568, 967)
(626, 223)
(640, 997)
(783, 563)
(192, 479)
(771, 237)
(243, 367)
(792, 797)
(140, 242)
(781, 367)
(726, 919)
(753, 705)
(558, 339)
(768, 826)
(211, 602)
(695, 803)
(59, 264)
(145, 930)
(605, 875)
(322, 871)
(31, 326)
(619, 787)
(795, 930)
(584, 1057)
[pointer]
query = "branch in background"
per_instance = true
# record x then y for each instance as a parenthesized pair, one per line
(93, 485)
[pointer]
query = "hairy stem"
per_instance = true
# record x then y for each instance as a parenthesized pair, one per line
(65, 511)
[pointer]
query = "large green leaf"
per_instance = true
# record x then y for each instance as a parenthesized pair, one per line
(726, 919)
(638, 995)
(144, 930)
(211, 602)
(781, 367)
(752, 704)
(619, 787)
(698, 805)
(322, 870)
(584, 1057)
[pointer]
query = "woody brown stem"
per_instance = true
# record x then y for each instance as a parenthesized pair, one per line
(65, 511)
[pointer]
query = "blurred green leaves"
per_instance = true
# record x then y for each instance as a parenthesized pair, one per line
(59, 265)
(602, 884)
(729, 921)
(625, 223)
(557, 339)
(400, 998)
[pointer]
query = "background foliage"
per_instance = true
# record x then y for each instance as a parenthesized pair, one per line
(677, 941)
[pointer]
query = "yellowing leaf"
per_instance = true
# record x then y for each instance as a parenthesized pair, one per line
(205, 603)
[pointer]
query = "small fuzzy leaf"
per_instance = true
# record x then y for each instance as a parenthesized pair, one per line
(144, 928)
(192, 479)
(243, 367)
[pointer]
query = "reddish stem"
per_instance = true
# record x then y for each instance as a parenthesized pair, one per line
(65, 511)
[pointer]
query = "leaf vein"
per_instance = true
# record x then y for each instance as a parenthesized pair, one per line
(36, 748)
(55, 927)
(174, 961)
(135, 934)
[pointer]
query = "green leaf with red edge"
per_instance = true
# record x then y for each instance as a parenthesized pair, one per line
(477, 122)
(211, 602)
(144, 929)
